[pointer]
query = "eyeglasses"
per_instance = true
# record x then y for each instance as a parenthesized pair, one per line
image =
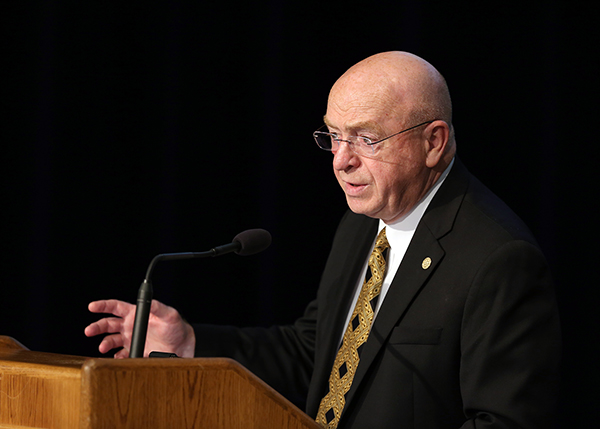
(363, 146)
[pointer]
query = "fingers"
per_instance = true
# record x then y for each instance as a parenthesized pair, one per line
(112, 342)
(111, 306)
(108, 325)
(161, 316)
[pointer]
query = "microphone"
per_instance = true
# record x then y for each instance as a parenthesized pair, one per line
(245, 243)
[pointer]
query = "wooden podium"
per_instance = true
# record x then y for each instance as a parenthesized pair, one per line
(46, 390)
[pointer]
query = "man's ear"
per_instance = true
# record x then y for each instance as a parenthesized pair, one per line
(437, 135)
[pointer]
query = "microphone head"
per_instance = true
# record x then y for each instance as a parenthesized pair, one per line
(252, 241)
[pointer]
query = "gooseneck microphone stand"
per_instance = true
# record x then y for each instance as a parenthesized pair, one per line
(245, 243)
(145, 292)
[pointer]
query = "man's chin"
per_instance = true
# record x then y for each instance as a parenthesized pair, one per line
(360, 208)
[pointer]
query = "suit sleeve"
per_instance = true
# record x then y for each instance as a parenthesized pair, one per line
(282, 356)
(510, 344)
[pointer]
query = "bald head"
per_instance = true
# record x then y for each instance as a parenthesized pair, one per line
(410, 87)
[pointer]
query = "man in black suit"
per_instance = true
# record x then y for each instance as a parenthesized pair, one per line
(461, 321)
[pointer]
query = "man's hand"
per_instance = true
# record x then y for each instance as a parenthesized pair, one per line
(167, 331)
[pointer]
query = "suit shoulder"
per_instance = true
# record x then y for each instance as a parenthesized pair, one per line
(467, 208)
(484, 208)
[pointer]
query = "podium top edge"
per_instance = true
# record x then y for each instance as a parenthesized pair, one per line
(217, 363)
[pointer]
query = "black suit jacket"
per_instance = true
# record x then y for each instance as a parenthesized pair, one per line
(472, 340)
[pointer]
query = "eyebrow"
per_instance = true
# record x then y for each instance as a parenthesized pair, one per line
(361, 125)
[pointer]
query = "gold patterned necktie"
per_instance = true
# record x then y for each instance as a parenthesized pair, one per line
(357, 331)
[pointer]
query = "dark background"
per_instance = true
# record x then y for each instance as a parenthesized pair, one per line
(130, 130)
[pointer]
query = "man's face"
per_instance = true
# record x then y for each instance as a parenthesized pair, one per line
(388, 186)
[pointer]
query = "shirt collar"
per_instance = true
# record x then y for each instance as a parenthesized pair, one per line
(409, 222)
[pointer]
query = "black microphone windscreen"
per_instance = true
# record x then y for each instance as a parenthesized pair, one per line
(252, 241)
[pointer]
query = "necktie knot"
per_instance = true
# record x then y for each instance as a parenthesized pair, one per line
(377, 260)
(382, 242)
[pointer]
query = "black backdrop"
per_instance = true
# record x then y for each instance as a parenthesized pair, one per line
(130, 130)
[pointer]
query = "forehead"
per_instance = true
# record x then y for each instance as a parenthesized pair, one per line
(359, 104)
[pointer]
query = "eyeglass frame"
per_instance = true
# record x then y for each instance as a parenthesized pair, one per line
(351, 144)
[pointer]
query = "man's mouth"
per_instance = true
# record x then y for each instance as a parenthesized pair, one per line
(354, 188)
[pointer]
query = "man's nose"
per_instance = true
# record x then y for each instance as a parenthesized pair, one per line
(344, 157)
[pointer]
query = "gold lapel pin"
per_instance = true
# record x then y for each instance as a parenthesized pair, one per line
(426, 263)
